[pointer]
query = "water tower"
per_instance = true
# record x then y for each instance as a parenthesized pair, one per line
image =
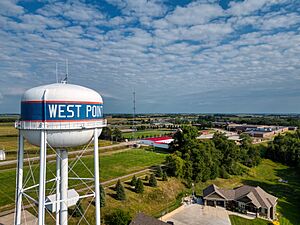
(58, 116)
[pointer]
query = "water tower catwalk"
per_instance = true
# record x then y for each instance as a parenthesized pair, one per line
(56, 117)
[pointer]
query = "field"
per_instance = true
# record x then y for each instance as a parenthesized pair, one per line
(146, 133)
(9, 142)
(111, 166)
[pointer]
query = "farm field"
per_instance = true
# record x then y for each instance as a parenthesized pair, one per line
(111, 166)
(147, 133)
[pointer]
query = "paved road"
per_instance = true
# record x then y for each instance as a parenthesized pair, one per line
(197, 214)
(14, 162)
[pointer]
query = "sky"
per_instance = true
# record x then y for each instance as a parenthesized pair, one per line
(179, 56)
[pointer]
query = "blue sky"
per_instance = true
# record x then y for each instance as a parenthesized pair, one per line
(178, 55)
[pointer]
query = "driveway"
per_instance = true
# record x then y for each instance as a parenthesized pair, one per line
(198, 215)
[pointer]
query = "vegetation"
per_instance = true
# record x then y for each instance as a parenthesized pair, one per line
(203, 160)
(120, 192)
(102, 196)
(146, 134)
(159, 172)
(152, 181)
(236, 220)
(164, 176)
(139, 186)
(117, 217)
(285, 149)
(124, 163)
(77, 211)
(133, 181)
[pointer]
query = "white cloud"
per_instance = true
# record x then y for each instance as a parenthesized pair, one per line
(195, 50)
(193, 14)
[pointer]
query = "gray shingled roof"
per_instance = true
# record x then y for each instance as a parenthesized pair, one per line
(142, 219)
(257, 195)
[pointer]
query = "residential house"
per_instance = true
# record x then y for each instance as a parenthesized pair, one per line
(245, 198)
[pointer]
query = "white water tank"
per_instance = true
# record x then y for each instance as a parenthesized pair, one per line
(69, 113)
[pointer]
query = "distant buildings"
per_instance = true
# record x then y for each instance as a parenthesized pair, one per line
(245, 198)
(257, 131)
(159, 142)
(2, 155)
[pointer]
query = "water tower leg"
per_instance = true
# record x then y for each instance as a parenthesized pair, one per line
(19, 180)
(42, 185)
(58, 162)
(64, 187)
(97, 180)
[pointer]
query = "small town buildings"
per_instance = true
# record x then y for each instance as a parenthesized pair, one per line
(245, 198)
(143, 219)
(2, 155)
(159, 142)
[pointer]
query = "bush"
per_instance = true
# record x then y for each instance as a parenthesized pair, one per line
(77, 211)
(152, 181)
(159, 171)
(133, 181)
(117, 217)
(139, 187)
(120, 191)
(164, 176)
(146, 178)
(102, 196)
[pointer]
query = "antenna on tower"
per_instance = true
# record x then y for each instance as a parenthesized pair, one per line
(133, 116)
(56, 72)
(65, 80)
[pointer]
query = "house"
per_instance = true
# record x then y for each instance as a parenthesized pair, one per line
(159, 142)
(142, 219)
(245, 198)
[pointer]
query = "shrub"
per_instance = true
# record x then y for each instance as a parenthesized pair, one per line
(133, 181)
(152, 181)
(117, 217)
(120, 191)
(139, 187)
(164, 176)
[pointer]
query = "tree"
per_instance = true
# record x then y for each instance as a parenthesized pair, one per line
(133, 181)
(120, 191)
(159, 171)
(78, 211)
(164, 176)
(175, 165)
(139, 186)
(152, 181)
(146, 178)
(102, 196)
(117, 217)
(106, 133)
(183, 136)
(117, 134)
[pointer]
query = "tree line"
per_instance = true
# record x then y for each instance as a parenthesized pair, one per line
(196, 160)
(285, 148)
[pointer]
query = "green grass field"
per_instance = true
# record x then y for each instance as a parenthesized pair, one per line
(146, 133)
(111, 166)
(236, 220)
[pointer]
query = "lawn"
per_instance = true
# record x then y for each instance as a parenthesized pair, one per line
(146, 133)
(111, 166)
(236, 220)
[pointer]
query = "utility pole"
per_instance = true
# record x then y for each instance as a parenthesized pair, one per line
(133, 116)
